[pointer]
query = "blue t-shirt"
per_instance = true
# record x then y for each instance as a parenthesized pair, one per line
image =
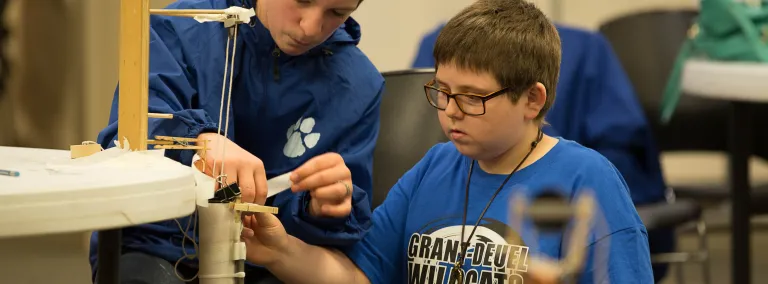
(415, 236)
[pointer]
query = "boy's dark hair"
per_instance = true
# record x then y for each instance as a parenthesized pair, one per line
(511, 39)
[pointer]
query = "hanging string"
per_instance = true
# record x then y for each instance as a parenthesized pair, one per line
(229, 100)
(221, 178)
(191, 221)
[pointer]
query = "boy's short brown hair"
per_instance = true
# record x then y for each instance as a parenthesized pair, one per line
(511, 39)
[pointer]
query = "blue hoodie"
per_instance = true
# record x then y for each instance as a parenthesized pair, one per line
(284, 110)
(597, 107)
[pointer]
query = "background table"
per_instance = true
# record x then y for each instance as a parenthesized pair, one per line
(47, 215)
(743, 84)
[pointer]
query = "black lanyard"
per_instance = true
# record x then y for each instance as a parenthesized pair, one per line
(457, 273)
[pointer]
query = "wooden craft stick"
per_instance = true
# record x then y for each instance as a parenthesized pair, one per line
(255, 208)
(160, 115)
(159, 142)
(186, 15)
(169, 138)
(178, 147)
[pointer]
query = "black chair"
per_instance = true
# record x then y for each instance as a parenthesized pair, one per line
(672, 215)
(409, 128)
(647, 44)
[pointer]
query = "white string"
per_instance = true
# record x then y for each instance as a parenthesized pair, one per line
(221, 108)
(228, 64)
(195, 246)
(229, 95)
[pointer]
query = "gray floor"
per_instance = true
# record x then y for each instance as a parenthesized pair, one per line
(720, 252)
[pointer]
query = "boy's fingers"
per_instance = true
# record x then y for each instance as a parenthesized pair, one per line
(333, 193)
(322, 178)
(265, 220)
(246, 183)
(247, 233)
(341, 210)
(316, 164)
(260, 178)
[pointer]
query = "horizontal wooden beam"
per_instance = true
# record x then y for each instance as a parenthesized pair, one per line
(178, 147)
(180, 139)
(159, 142)
(181, 12)
(160, 115)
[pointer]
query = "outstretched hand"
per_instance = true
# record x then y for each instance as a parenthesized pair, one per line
(329, 183)
(239, 166)
(265, 238)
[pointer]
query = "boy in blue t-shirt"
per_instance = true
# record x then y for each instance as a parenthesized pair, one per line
(497, 68)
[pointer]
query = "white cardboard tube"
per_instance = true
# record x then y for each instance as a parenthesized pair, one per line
(217, 237)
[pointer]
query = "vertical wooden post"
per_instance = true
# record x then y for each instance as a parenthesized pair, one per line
(134, 73)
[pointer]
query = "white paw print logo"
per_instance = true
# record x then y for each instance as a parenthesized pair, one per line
(296, 145)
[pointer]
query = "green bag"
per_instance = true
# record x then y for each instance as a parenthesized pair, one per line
(725, 30)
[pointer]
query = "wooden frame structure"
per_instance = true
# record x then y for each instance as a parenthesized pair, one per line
(133, 107)
(133, 116)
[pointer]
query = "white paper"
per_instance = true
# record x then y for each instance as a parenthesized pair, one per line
(205, 184)
(278, 184)
(241, 14)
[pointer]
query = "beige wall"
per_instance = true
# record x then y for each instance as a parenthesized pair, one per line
(75, 64)
(101, 66)
(392, 43)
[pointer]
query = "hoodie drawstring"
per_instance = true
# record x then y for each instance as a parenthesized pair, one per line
(276, 66)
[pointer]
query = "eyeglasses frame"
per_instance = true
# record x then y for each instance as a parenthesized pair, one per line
(483, 98)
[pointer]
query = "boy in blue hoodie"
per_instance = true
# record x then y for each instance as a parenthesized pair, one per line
(448, 215)
(304, 97)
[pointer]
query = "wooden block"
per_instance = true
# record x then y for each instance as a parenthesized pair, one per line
(78, 151)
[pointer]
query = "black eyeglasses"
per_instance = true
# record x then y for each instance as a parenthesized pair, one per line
(470, 104)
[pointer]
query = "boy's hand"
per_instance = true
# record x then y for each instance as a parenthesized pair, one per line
(265, 239)
(239, 166)
(329, 183)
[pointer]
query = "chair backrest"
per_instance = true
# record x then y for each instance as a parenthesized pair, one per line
(647, 44)
(409, 128)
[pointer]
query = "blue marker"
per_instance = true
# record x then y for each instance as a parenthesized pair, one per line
(9, 173)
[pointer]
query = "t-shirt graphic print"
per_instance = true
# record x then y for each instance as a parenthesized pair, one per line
(433, 251)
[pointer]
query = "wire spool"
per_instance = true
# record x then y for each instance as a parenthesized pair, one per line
(550, 212)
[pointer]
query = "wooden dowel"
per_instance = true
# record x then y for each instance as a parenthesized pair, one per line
(188, 15)
(184, 12)
(159, 142)
(178, 147)
(169, 138)
(254, 208)
(160, 115)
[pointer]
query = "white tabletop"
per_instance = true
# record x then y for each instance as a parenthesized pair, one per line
(111, 189)
(737, 81)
